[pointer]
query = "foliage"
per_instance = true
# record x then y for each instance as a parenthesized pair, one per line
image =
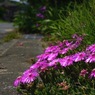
(55, 13)
(27, 19)
(24, 20)
(51, 17)
(2, 11)
(80, 20)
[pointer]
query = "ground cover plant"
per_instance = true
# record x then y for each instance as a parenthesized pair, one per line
(61, 69)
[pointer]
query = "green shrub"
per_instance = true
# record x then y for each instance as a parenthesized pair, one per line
(25, 19)
(2, 11)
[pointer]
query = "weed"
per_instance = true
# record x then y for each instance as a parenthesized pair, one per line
(11, 35)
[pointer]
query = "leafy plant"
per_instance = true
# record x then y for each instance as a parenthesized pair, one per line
(79, 19)
(25, 19)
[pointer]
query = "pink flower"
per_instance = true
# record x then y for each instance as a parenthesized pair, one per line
(79, 56)
(92, 73)
(68, 43)
(17, 81)
(66, 61)
(43, 56)
(51, 49)
(74, 45)
(29, 77)
(39, 65)
(35, 66)
(65, 44)
(52, 56)
(83, 72)
(90, 58)
(61, 44)
(40, 15)
(43, 65)
(91, 48)
(79, 38)
(54, 62)
(64, 51)
(43, 9)
(29, 71)
(74, 36)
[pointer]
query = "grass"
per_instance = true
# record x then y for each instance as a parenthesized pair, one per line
(80, 20)
(11, 35)
(1, 21)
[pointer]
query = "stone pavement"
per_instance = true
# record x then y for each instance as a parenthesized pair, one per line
(5, 28)
(13, 60)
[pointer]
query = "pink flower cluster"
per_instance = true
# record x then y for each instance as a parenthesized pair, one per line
(84, 72)
(51, 58)
(40, 14)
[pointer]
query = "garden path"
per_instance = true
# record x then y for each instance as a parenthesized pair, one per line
(5, 28)
(14, 60)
